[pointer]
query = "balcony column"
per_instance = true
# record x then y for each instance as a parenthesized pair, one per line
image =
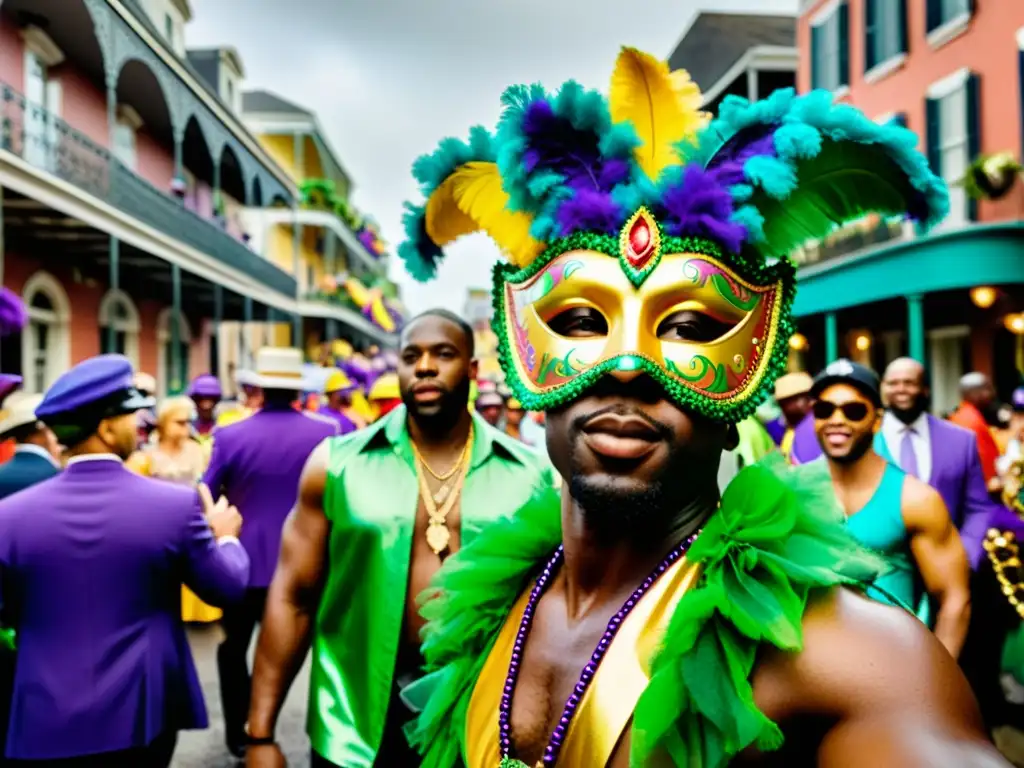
(218, 316)
(297, 340)
(752, 84)
(831, 338)
(246, 331)
(915, 327)
(114, 255)
(176, 362)
(178, 182)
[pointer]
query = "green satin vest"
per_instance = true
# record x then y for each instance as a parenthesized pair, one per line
(370, 499)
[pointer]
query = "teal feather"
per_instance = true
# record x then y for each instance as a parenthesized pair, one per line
(418, 252)
(831, 164)
(752, 220)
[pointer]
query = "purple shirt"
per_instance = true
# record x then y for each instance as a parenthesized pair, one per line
(345, 424)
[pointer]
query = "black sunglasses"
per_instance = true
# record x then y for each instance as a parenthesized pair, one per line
(852, 412)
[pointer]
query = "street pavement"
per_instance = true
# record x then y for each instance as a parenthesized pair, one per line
(205, 749)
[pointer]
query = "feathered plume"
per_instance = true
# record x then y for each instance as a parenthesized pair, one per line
(464, 195)
(560, 149)
(662, 106)
(13, 315)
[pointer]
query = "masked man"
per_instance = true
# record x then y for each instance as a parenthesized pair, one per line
(643, 619)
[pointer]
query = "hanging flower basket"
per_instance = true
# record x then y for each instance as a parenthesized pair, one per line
(991, 177)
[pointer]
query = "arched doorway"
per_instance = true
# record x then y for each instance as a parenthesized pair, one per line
(165, 344)
(46, 342)
(118, 314)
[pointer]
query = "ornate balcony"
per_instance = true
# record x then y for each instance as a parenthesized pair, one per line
(50, 144)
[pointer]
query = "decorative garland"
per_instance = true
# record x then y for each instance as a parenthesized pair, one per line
(991, 177)
(776, 539)
(748, 264)
(322, 194)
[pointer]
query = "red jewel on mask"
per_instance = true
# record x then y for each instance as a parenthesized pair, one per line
(641, 243)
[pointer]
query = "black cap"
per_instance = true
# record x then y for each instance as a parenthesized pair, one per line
(844, 371)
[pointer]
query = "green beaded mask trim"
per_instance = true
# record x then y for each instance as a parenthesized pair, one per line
(728, 411)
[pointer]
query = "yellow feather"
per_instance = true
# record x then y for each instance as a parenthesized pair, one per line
(471, 200)
(663, 106)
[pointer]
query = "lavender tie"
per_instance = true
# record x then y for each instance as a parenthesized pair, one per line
(908, 458)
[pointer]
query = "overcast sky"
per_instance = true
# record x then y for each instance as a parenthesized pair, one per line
(389, 78)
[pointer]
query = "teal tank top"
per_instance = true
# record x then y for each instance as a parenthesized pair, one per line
(879, 526)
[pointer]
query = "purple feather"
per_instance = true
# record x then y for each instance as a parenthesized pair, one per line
(727, 164)
(574, 154)
(13, 315)
(699, 205)
(589, 211)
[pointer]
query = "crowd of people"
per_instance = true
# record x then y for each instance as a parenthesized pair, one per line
(616, 561)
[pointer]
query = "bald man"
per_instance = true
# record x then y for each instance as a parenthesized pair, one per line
(941, 454)
(977, 397)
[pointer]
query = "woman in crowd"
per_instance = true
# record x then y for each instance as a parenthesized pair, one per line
(176, 456)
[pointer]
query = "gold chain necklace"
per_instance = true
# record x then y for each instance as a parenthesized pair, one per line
(1004, 554)
(438, 536)
(455, 466)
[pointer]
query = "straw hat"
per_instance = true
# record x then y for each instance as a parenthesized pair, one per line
(279, 368)
(19, 410)
(793, 385)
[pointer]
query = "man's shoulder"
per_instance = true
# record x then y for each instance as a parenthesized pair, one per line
(321, 422)
(950, 430)
(858, 654)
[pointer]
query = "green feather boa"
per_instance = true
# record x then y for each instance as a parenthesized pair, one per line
(777, 536)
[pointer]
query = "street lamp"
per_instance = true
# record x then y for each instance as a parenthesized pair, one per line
(798, 342)
(1015, 323)
(983, 296)
(862, 342)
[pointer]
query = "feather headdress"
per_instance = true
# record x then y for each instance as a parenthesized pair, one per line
(767, 176)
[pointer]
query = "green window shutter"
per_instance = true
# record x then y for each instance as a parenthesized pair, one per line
(973, 132)
(933, 132)
(844, 44)
(933, 15)
(902, 37)
(815, 57)
(871, 35)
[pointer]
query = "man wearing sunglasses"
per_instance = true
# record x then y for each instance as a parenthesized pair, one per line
(887, 509)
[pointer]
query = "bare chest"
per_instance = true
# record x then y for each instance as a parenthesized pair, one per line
(555, 655)
(424, 561)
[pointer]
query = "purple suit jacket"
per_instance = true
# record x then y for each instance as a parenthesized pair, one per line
(91, 564)
(256, 463)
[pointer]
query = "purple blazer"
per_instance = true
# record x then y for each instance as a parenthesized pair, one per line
(256, 463)
(91, 566)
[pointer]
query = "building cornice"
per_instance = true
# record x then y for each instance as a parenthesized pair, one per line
(229, 120)
(773, 58)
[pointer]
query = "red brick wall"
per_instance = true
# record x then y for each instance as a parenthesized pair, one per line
(12, 54)
(153, 161)
(988, 48)
(84, 299)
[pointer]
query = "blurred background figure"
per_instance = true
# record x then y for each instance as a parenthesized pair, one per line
(514, 416)
(975, 412)
(384, 395)
(177, 457)
(36, 452)
(338, 405)
(9, 383)
(206, 393)
(146, 417)
(250, 399)
(491, 407)
(1013, 454)
(792, 393)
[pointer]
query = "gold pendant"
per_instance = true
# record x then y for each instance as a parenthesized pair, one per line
(442, 494)
(438, 536)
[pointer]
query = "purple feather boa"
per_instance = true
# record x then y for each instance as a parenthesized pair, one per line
(700, 205)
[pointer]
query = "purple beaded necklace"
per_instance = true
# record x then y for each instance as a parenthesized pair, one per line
(554, 745)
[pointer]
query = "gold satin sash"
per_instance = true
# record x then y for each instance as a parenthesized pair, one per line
(607, 707)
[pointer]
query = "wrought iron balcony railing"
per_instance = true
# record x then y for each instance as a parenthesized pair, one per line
(50, 144)
(870, 232)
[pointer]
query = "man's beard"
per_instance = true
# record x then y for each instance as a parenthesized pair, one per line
(442, 414)
(909, 415)
(862, 445)
(639, 512)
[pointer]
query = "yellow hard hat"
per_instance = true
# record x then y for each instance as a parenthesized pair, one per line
(385, 388)
(336, 382)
